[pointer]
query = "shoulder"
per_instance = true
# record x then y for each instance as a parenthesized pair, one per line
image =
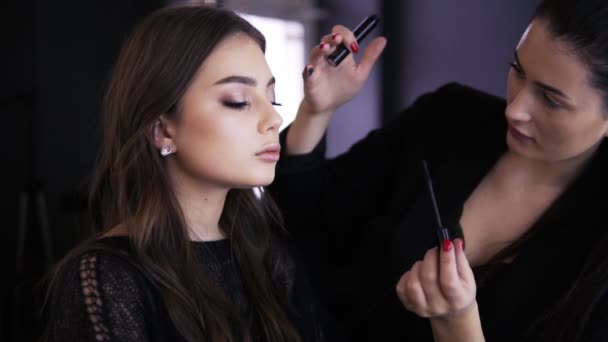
(99, 291)
(464, 93)
(102, 268)
(454, 101)
(455, 118)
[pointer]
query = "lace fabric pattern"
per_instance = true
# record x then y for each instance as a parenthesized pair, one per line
(104, 296)
(92, 297)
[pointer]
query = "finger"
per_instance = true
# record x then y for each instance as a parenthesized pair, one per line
(462, 263)
(317, 55)
(401, 289)
(348, 36)
(307, 72)
(370, 56)
(449, 279)
(332, 40)
(429, 278)
(412, 291)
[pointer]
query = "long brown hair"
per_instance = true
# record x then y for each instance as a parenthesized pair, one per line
(155, 67)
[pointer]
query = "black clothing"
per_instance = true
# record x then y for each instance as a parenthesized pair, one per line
(105, 295)
(365, 217)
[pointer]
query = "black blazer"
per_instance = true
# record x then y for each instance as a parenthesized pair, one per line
(364, 218)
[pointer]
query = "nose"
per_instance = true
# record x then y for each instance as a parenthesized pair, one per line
(271, 120)
(519, 106)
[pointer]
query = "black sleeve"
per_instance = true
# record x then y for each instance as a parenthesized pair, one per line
(336, 198)
(98, 298)
(310, 317)
(596, 329)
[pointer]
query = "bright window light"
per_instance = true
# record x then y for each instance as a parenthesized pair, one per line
(285, 55)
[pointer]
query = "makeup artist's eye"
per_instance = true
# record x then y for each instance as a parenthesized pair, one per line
(517, 68)
(236, 104)
(549, 102)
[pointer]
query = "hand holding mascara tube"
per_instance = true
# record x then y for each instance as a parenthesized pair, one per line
(442, 232)
(360, 32)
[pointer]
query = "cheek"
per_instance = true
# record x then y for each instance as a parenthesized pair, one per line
(210, 136)
(572, 138)
(216, 145)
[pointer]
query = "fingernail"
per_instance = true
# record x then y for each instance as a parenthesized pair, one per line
(447, 245)
(354, 47)
(321, 46)
(460, 242)
(333, 36)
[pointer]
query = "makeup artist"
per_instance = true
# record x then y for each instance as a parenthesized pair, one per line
(522, 180)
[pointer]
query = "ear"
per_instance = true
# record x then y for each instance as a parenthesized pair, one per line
(163, 132)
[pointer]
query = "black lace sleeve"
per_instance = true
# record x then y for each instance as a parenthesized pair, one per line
(99, 297)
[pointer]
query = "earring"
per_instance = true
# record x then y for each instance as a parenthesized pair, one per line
(165, 150)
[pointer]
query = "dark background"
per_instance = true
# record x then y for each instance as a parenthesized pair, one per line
(57, 55)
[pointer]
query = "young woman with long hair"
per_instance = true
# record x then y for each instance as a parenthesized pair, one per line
(184, 249)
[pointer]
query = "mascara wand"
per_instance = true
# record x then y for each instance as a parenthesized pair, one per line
(442, 232)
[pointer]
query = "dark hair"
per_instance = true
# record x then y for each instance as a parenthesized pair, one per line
(155, 67)
(583, 26)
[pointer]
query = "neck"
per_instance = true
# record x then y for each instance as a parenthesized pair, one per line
(202, 205)
(550, 174)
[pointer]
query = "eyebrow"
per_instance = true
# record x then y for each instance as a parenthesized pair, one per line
(244, 80)
(540, 84)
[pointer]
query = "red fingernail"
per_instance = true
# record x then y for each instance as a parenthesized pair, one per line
(321, 45)
(447, 245)
(354, 47)
(460, 242)
(333, 36)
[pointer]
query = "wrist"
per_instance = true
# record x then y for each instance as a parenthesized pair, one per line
(308, 110)
(464, 325)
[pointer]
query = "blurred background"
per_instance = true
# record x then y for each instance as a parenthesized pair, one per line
(57, 55)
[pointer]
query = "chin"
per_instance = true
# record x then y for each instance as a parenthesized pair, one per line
(255, 182)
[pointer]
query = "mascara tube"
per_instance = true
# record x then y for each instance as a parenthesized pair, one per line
(360, 33)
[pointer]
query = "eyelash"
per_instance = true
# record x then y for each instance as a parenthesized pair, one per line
(236, 105)
(549, 102)
(243, 104)
(517, 68)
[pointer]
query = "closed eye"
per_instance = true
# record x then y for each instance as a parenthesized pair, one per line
(236, 105)
(517, 68)
(549, 102)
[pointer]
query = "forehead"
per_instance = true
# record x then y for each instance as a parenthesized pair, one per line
(552, 61)
(236, 55)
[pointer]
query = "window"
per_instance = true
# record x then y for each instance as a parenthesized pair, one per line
(286, 57)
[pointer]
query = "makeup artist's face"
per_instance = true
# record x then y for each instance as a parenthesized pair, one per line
(553, 112)
(227, 133)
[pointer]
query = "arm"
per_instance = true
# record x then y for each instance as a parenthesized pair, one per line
(442, 288)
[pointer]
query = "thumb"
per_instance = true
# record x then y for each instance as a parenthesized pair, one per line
(370, 56)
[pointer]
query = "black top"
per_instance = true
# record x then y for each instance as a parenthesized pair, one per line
(106, 296)
(363, 219)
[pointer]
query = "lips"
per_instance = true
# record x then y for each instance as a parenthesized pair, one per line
(270, 152)
(518, 134)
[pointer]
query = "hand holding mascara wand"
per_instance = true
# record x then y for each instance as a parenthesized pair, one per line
(443, 234)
